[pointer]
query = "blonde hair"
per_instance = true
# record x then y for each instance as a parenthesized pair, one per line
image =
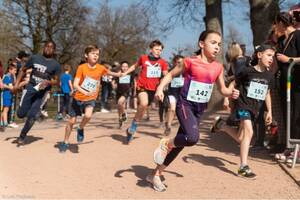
(234, 51)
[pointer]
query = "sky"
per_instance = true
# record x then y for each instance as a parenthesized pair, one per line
(234, 14)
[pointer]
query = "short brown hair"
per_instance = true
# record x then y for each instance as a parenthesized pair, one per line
(91, 48)
(67, 67)
(156, 43)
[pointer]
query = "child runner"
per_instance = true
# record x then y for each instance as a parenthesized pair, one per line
(254, 84)
(200, 73)
(173, 94)
(152, 66)
(124, 85)
(45, 73)
(86, 84)
(66, 87)
(7, 93)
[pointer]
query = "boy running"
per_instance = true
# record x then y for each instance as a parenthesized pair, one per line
(87, 85)
(254, 84)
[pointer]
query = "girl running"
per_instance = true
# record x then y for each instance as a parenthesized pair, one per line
(200, 73)
(124, 85)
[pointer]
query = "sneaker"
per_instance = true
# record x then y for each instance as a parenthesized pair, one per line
(246, 172)
(131, 131)
(161, 151)
(13, 125)
(59, 116)
(44, 113)
(167, 131)
(156, 183)
(80, 135)
(63, 147)
(124, 117)
(103, 110)
(217, 125)
(20, 141)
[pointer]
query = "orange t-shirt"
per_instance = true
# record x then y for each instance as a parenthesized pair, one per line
(89, 76)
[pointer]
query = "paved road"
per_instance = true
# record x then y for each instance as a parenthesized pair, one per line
(104, 167)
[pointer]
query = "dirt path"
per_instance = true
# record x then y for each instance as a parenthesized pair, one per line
(104, 167)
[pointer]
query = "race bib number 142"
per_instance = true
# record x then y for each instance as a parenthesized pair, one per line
(199, 92)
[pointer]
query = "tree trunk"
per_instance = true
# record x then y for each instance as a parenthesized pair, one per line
(262, 15)
(214, 21)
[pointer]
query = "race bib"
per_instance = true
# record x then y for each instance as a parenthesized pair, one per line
(153, 72)
(199, 92)
(124, 79)
(257, 91)
(89, 84)
(177, 82)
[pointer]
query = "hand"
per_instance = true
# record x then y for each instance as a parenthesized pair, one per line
(282, 58)
(90, 93)
(235, 94)
(159, 94)
(268, 118)
(226, 104)
(44, 84)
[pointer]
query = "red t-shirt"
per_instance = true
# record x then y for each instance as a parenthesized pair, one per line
(149, 77)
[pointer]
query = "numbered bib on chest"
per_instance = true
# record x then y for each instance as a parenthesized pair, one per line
(90, 84)
(177, 82)
(124, 79)
(199, 92)
(153, 72)
(257, 91)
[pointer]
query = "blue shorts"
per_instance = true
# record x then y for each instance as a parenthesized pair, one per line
(7, 102)
(77, 107)
(243, 114)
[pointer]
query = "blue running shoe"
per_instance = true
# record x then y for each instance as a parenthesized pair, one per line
(131, 131)
(80, 135)
(63, 147)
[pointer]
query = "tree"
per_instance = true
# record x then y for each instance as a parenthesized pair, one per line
(37, 21)
(122, 33)
(262, 15)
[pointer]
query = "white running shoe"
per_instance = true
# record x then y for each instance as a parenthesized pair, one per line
(156, 183)
(13, 125)
(103, 110)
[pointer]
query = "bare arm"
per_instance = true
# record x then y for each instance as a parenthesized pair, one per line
(268, 101)
(178, 69)
(226, 91)
(130, 69)
(20, 76)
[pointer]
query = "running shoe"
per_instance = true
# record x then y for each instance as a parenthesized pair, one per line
(161, 151)
(13, 125)
(63, 147)
(246, 172)
(20, 141)
(124, 117)
(217, 125)
(80, 135)
(156, 183)
(131, 131)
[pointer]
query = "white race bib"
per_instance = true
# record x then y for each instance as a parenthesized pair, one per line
(199, 92)
(177, 82)
(124, 79)
(89, 84)
(153, 72)
(257, 91)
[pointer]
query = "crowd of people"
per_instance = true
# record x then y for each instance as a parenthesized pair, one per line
(254, 90)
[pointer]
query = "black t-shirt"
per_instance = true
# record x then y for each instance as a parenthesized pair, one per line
(290, 50)
(239, 65)
(252, 85)
(124, 84)
(42, 69)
